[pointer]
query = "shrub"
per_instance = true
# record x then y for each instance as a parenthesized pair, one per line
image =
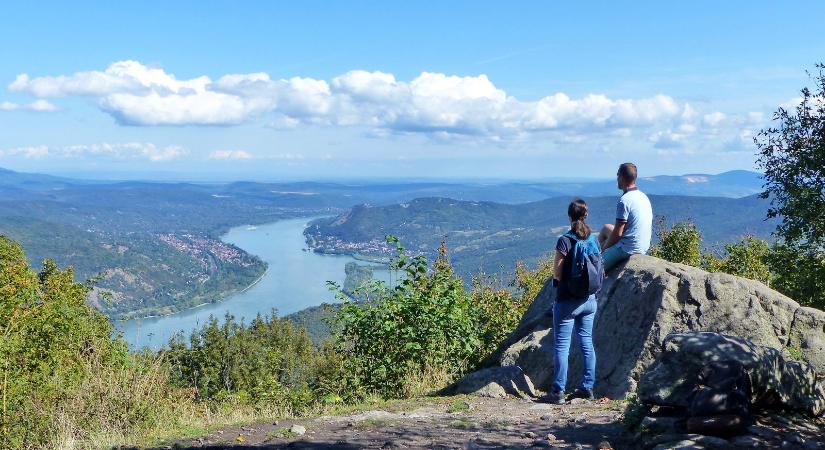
(798, 273)
(63, 378)
(747, 258)
(680, 244)
(423, 328)
(269, 362)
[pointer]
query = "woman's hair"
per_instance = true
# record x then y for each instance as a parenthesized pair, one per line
(578, 212)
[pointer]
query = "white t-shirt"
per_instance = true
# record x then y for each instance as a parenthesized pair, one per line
(634, 208)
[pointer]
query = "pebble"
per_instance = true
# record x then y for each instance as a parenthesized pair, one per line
(547, 417)
(530, 434)
(551, 437)
(542, 443)
(298, 429)
(578, 401)
(604, 445)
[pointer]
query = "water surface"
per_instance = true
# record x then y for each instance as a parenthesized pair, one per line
(296, 279)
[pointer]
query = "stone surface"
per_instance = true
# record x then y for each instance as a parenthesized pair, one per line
(807, 336)
(776, 382)
(494, 382)
(659, 425)
(646, 299)
(298, 430)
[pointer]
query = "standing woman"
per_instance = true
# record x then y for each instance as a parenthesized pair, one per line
(575, 305)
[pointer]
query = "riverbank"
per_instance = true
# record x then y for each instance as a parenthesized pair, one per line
(292, 281)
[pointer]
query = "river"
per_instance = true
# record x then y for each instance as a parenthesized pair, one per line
(296, 279)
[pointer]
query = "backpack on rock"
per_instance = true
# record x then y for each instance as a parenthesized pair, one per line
(720, 403)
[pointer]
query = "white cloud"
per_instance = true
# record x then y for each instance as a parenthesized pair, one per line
(432, 103)
(230, 154)
(32, 152)
(36, 106)
(129, 150)
(714, 119)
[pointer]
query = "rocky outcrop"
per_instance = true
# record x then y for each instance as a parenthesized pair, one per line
(645, 300)
(776, 382)
(495, 382)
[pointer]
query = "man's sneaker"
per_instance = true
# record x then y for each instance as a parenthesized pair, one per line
(586, 394)
(555, 398)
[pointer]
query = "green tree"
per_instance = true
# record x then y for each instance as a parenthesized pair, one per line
(747, 258)
(792, 155)
(62, 375)
(798, 274)
(680, 244)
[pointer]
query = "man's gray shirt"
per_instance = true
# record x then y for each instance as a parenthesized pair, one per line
(634, 208)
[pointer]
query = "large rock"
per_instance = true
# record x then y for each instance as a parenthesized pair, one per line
(775, 381)
(807, 337)
(494, 382)
(647, 299)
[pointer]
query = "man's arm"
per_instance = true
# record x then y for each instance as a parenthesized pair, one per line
(615, 235)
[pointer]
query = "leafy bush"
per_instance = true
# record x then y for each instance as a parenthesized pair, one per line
(680, 244)
(423, 328)
(62, 376)
(269, 362)
(798, 273)
(747, 258)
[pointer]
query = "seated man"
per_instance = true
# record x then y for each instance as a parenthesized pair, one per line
(634, 220)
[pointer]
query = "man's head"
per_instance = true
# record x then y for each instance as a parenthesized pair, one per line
(626, 176)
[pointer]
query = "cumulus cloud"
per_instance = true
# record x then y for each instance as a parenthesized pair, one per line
(129, 150)
(230, 154)
(433, 103)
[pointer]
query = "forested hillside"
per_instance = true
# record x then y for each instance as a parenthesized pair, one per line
(493, 236)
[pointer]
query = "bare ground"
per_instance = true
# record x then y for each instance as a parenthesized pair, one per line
(457, 423)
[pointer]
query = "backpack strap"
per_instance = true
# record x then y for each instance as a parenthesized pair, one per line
(571, 235)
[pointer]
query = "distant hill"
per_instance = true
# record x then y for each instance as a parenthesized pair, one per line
(493, 236)
(157, 243)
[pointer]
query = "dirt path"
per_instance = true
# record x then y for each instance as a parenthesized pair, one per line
(459, 423)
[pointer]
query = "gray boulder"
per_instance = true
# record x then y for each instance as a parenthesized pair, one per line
(496, 382)
(646, 299)
(776, 382)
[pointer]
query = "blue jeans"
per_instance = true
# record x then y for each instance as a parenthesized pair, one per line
(612, 256)
(567, 315)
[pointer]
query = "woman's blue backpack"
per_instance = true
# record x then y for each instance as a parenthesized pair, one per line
(586, 267)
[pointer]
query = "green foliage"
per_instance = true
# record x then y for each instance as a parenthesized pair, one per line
(495, 312)
(747, 258)
(62, 376)
(799, 273)
(269, 361)
(792, 156)
(427, 330)
(634, 412)
(423, 323)
(680, 244)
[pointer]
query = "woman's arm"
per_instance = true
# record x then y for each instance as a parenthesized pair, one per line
(558, 264)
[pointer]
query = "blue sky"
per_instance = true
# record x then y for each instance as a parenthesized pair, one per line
(319, 90)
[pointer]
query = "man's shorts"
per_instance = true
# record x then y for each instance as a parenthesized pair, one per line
(613, 256)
